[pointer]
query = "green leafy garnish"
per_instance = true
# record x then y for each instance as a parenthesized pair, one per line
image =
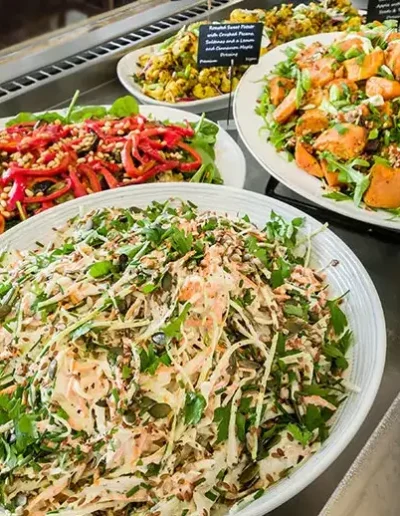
(100, 269)
(194, 406)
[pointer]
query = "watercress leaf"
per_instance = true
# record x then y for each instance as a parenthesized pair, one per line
(80, 114)
(337, 196)
(20, 118)
(124, 106)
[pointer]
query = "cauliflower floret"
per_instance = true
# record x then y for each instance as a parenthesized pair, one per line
(203, 92)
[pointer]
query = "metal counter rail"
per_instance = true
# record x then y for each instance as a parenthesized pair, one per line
(379, 252)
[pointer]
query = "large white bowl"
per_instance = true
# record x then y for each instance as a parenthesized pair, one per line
(363, 307)
(127, 66)
(229, 157)
(250, 127)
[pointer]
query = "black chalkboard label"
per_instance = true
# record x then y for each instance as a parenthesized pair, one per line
(220, 44)
(381, 10)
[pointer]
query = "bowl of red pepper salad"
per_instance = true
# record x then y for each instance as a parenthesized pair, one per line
(50, 160)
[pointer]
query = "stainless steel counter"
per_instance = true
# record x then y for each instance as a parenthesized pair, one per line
(380, 252)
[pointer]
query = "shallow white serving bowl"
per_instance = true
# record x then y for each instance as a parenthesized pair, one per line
(362, 306)
(228, 155)
(127, 66)
(250, 125)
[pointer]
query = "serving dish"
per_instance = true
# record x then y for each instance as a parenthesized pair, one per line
(167, 74)
(363, 308)
(251, 127)
(230, 166)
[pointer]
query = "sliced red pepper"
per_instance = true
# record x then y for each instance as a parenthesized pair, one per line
(49, 156)
(154, 131)
(168, 165)
(188, 167)
(77, 186)
(45, 206)
(172, 138)
(187, 131)
(92, 177)
(15, 171)
(17, 192)
(145, 146)
(127, 161)
(110, 179)
(98, 163)
(51, 197)
(10, 146)
(37, 180)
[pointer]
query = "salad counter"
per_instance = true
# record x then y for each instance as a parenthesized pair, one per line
(47, 80)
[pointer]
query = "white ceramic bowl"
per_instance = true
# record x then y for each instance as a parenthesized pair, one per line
(362, 307)
(127, 66)
(250, 125)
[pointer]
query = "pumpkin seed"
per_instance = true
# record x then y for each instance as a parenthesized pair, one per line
(4, 311)
(52, 369)
(166, 282)
(160, 410)
(249, 474)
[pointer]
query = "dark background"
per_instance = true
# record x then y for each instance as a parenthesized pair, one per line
(25, 19)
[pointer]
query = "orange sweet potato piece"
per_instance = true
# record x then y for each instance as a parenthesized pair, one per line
(347, 144)
(312, 121)
(306, 161)
(347, 44)
(359, 70)
(332, 178)
(307, 55)
(341, 82)
(384, 189)
(278, 89)
(286, 108)
(322, 71)
(385, 87)
(392, 58)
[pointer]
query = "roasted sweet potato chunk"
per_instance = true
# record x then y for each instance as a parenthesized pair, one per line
(388, 89)
(322, 71)
(346, 144)
(286, 108)
(392, 58)
(279, 88)
(384, 189)
(307, 161)
(347, 44)
(360, 69)
(313, 121)
(332, 178)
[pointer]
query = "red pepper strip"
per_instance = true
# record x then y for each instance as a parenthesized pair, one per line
(92, 177)
(187, 167)
(110, 179)
(127, 161)
(98, 163)
(77, 186)
(95, 126)
(17, 193)
(21, 127)
(184, 131)
(2, 224)
(15, 171)
(168, 165)
(11, 146)
(49, 156)
(51, 197)
(154, 131)
(147, 149)
(36, 180)
(155, 144)
(172, 138)
(45, 206)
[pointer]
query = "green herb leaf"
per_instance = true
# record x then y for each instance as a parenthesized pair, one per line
(21, 118)
(303, 436)
(337, 196)
(221, 416)
(124, 106)
(173, 328)
(80, 114)
(338, 318)
(100, 269)
(373, 134)
(195, 403)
